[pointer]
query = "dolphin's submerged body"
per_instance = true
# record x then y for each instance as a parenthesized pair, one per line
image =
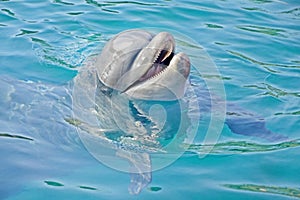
(144, 103)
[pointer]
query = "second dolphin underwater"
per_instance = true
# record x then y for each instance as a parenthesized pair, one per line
(136, 70)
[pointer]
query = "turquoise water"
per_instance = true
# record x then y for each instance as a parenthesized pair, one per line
(255, 44)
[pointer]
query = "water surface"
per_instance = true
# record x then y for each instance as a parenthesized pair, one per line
(254, 43)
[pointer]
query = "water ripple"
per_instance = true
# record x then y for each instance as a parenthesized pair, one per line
(59, 184)
(103, 6)
(239, 147)
(273, 91)
(87, 187)
(15, 136)
(254, 9)
(75, 13)
(265, 65)
(289, 113)
(154, 189)
(63, 2)
(286, 191)
(294, 11)
(40, 41)
(267, 1)
(100, 5)
(69, 56)
(130, 2)
(8, 12)
(213, 26)
(263, 30)
(54, 183)
(26, 32)
(262, 1)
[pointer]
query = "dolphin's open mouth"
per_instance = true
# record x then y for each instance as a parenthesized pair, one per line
(161, 63)
(144, 65)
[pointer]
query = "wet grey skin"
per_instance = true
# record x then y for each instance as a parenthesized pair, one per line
(144, 66)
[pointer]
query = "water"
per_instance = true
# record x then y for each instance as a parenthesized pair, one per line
(255, 45)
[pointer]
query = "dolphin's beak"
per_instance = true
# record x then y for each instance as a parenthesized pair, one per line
(149, 70)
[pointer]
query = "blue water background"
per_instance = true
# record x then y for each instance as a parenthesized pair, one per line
(254, 43)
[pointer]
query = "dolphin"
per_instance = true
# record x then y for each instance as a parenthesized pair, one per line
(135, 70)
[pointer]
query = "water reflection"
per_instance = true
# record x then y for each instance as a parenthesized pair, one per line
(285, 191)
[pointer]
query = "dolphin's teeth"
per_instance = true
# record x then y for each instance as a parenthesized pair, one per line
(157, 56)
(159, 70)
(161, 62)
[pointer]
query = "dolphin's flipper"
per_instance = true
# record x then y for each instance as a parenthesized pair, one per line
(243, 122)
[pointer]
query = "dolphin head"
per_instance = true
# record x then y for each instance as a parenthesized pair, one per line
(144, 66)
